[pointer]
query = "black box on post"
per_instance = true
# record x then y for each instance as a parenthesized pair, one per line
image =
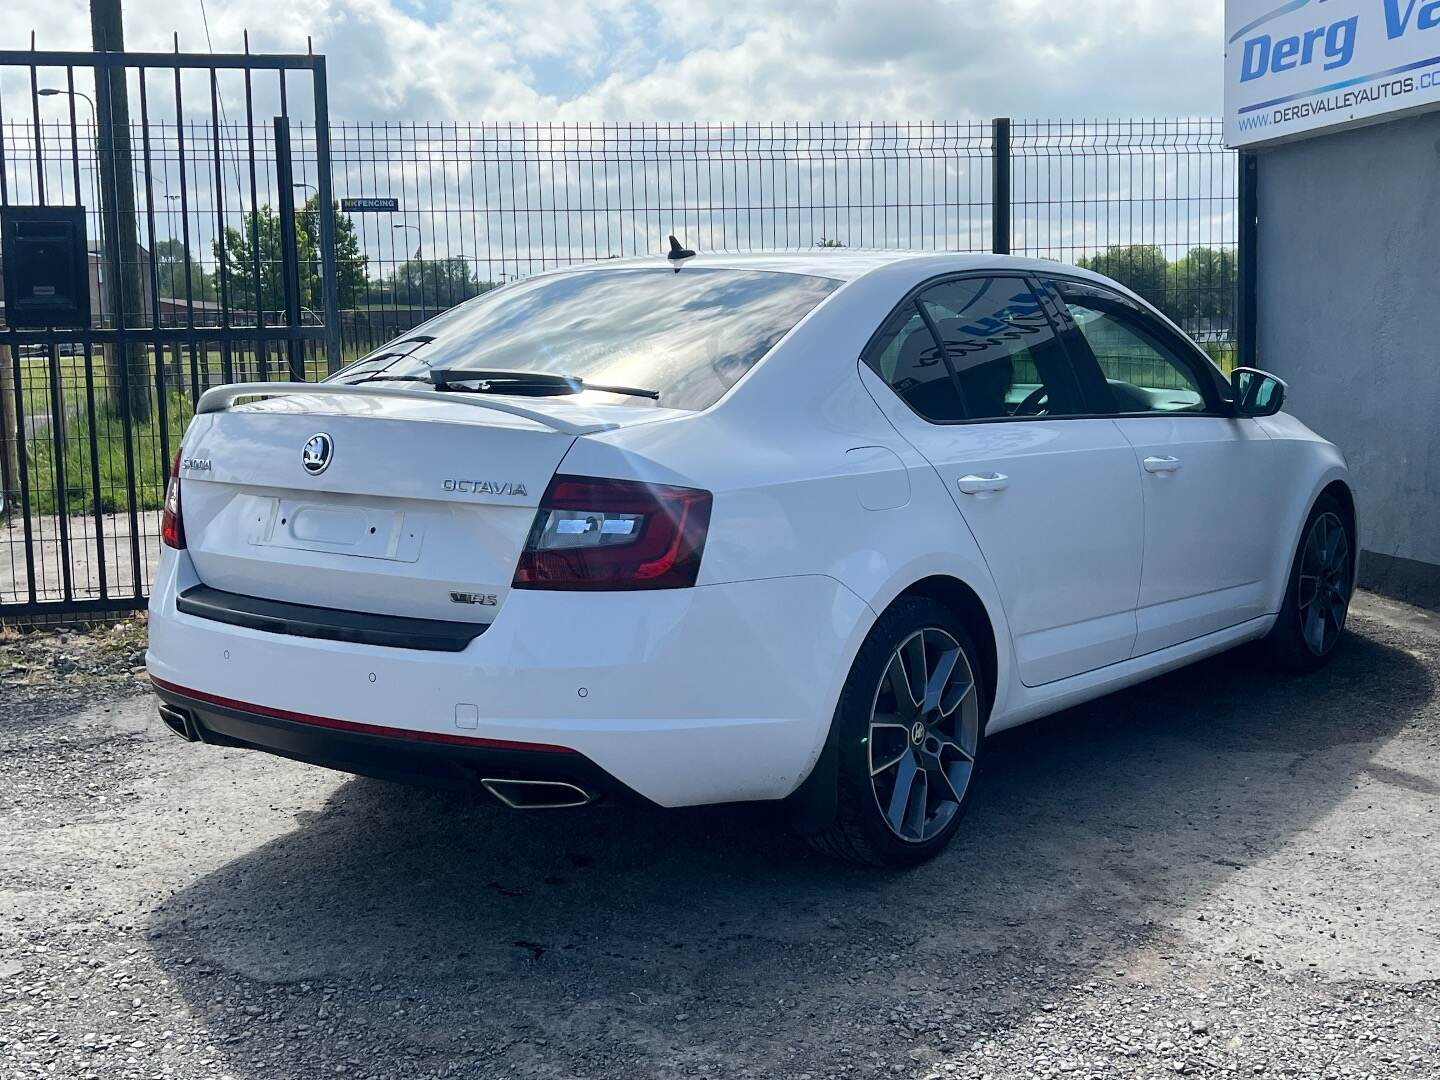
(46, 267)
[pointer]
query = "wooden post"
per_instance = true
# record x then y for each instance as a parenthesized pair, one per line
(129, 361)
(9, 476)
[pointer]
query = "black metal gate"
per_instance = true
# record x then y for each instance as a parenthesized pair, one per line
(200, 267)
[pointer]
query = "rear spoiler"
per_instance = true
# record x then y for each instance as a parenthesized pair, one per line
(221, 398)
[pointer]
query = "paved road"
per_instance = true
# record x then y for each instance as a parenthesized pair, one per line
(1221, 873)
(91, 552)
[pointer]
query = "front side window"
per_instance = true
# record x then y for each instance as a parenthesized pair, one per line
(1144, 371)
(689, 336)
(1004, 352)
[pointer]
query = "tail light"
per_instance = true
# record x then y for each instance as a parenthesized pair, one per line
(602, 534)
(172, 524)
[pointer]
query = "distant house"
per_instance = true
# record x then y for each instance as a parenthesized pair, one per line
(177, 311)
(100, 308)
(1207, 330)
(101, 314)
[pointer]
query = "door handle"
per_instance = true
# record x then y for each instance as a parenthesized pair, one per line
(979, 485)
(1166, 464)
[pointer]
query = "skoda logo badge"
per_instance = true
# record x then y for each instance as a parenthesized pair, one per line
(317, 453)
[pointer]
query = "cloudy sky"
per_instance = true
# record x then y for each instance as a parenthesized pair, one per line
(705, 59)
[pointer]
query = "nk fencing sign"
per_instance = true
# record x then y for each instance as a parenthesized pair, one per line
(1309, 66)
(351, 206)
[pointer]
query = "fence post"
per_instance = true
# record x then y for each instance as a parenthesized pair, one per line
(289, 256)
(325, 205)
(1000, 185)
(1247, 306)
(9, 433)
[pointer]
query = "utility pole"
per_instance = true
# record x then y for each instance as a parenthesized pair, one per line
(128, 362)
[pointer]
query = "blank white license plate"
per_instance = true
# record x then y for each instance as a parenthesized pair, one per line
(361, 531)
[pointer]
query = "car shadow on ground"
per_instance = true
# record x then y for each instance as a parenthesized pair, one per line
(706, 939)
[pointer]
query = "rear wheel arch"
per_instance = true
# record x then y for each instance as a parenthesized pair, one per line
(812, 806)
(965, 602)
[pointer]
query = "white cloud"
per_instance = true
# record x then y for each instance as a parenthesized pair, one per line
(673, 60)
(706, 59)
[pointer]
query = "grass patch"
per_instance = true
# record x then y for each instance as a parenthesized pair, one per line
(79, 403)
(79, 466)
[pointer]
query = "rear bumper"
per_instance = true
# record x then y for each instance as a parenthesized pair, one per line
(720, 693)
(453, 762)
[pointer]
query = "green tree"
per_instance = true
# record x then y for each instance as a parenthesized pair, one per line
(172, 268)
(262, 231)
(260, 236)
(1141, 267)
(435, 284)
(352, 283)
(1202, 285)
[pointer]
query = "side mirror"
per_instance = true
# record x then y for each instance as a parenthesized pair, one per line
(1256, 393)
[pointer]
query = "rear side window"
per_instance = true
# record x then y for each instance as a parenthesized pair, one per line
(992, 354)
(1003, 350)
(907, 357)
(689, 335)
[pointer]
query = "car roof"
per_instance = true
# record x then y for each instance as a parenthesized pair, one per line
(841, 264)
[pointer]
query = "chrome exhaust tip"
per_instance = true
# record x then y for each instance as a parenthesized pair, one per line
(179, 722)
(537, 794)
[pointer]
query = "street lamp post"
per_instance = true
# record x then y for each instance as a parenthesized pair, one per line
(419, 238)
(311, 188)
(52, 91)
(305, 207)
(420, 275)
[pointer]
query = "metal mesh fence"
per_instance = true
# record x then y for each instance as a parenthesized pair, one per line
(483, 204)
(1151, 203)
(91, 417)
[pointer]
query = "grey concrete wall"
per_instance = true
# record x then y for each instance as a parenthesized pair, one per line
(1349, 311)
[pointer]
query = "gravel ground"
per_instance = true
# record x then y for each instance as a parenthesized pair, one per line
(62, 670)
(1220, 873)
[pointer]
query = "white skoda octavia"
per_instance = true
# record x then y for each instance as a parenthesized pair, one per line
(799, 527)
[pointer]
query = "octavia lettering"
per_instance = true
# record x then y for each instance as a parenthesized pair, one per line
(486, 487)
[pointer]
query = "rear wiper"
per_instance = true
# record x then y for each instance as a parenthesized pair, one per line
(380, 362)
(388, 378)
(531, 383)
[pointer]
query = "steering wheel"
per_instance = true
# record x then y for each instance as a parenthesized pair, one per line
(1032, 405)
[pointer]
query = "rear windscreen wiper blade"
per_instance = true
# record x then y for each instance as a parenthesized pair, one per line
(532, 383)
(388, 378)
(380, 362)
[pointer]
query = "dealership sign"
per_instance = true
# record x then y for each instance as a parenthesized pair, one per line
(1306, 66)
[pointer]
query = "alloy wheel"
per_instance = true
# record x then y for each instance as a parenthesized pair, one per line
(1324, 583)
(924, 735)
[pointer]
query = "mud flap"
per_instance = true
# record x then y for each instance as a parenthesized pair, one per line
(812, 807)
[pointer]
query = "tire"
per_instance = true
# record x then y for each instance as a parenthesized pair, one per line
(1305, 636)
(886, 740)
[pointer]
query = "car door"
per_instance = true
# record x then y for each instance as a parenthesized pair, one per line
(1205, 474)
(984, 390)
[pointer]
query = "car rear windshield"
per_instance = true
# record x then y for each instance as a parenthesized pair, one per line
(690, 335)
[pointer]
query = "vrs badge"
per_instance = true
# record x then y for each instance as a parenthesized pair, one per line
(483, 599)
